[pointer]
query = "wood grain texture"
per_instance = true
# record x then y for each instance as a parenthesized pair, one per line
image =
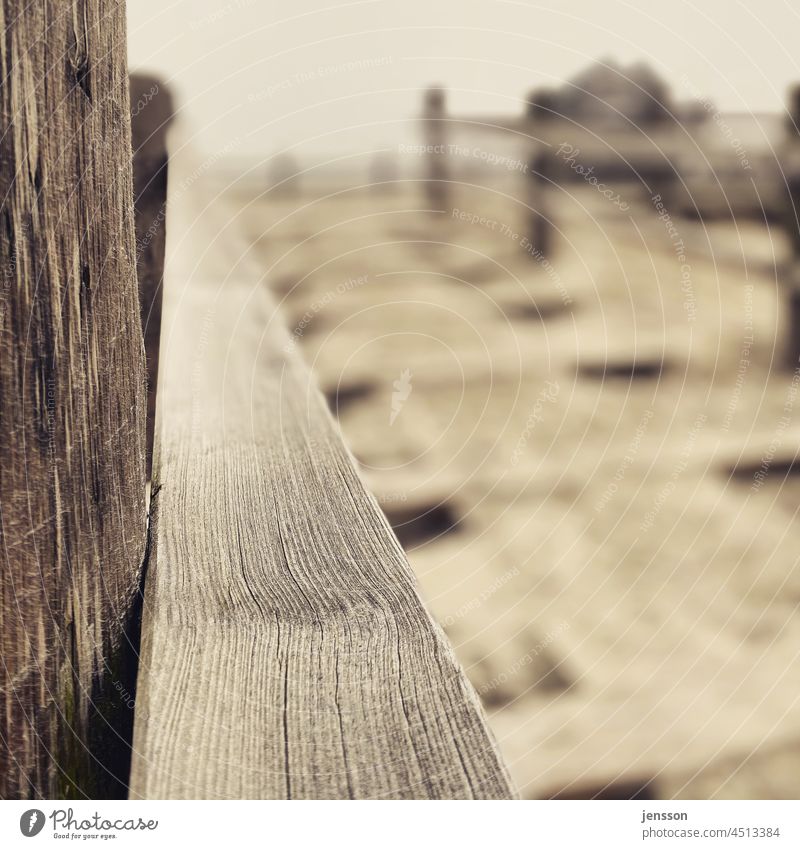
(286, 653)
(72, 402)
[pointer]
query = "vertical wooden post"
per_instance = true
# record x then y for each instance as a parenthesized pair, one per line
(792, 351)
(435, 135)
(541, 111)
(72, 398)
(791, 168)
(151, 115)
(541, 106)
(793, 111)
(541, 228)
(283, 176)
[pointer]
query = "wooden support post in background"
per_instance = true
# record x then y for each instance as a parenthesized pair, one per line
(283, 176)
(541, 227)
(151, 115)
(72, 399)
(541, 111)
(791, 169)
(792, 286)
(435, 135)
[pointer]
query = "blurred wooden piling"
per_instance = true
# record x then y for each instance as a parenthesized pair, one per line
(541, 107)
(541, 225)
(792, 285)
(790, 163)
(435, 136)
(541, 111)
(72, 400)
(283, 175)
(151, 115)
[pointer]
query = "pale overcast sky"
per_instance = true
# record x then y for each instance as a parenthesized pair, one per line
(267, 74)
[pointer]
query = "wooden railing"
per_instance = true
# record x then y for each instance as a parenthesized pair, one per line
(285, 650)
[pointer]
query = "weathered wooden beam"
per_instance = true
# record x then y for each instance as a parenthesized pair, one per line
(285, 651)
(72, 403)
